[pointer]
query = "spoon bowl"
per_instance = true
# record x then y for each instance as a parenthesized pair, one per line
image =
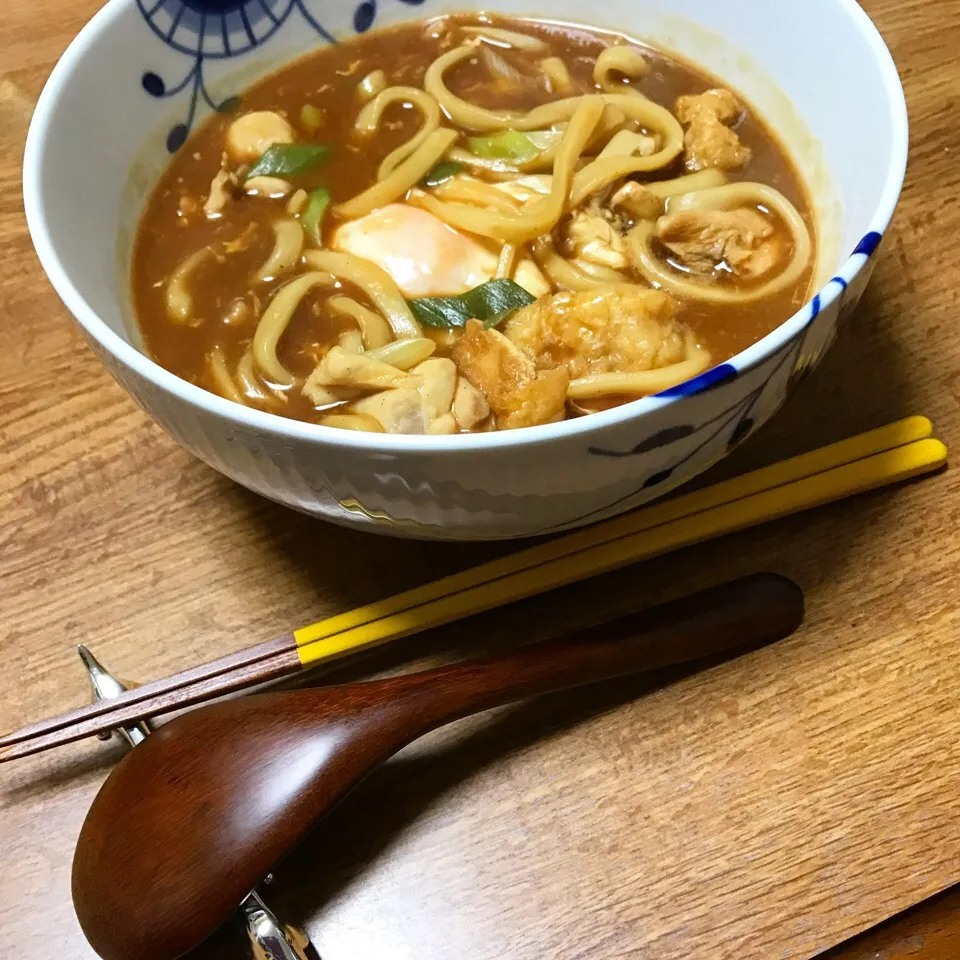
(202, 810)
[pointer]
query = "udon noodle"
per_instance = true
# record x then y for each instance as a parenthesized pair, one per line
(474, 224)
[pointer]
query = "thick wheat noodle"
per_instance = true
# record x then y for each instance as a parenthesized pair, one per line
(538, 217)
(408, 174)
(478, 193)
(375, 282)
(247, 378)
(370, 117)
(509, 38)
(507, 261)
(557, 72)
(472, 117)
(611, 121)
(405, 354)
(599, 271)
(287, 247)
(604, 171)
(711, 177)
(373, 328)
(220, 374)
(613, 118)
(351, 341)
(361, 422)
(642, 383)
(727, 197)
(565, 274)
(625, 143)
(496, 169)
(179, 300)
(620, 59)
(372, 85)
(461, 112)
(275, 320)
(322, 397)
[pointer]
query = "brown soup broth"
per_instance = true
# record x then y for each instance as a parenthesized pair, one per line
(174, 224)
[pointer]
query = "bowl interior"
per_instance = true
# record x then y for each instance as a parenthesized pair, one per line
(817, 71)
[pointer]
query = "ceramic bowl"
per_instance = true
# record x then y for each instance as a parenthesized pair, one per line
(143, 73)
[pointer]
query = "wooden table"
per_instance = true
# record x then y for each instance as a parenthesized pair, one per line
(769, 808)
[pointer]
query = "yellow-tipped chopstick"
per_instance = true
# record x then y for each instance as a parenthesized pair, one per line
(670, 528)
(881, 457)
(337, 635)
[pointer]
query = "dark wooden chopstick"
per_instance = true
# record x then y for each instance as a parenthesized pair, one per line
(161, 691)
(92, 721)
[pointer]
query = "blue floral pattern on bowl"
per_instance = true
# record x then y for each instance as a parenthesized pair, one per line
(224, 29)
(694, 426)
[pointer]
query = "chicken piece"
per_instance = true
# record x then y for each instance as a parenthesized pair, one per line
(709, 141)
(444, 426)
(437, 382)
(297, 203)
(339, 368)
(742, 241)
(397, 411)
(531, 278)
(623, 329)
(421, 404)
(518, 395)
(629, 143)
(595, 239)
(635, 200)
(223, 187)
(425, 257)
(470, 406)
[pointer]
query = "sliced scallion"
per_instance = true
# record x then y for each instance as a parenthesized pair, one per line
(507, 145)
(288, 159)
(312, 218)
(491, 303)
(441, 173)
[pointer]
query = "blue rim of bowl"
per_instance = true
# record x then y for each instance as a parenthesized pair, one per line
(282, 427)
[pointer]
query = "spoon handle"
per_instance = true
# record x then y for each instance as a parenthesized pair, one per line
(735, 617)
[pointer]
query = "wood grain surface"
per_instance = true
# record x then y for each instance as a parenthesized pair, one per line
(768, 808)
(193, 842)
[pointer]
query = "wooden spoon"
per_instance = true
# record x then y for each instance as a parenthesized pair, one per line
(194, 818)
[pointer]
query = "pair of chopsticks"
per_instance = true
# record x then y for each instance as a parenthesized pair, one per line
(888, 455)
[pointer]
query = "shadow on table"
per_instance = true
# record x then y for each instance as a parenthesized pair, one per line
(842, 398)
(348, 568)
(372, 818)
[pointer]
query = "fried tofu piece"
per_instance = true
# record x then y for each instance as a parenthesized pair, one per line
(518, 394)
(621, 329)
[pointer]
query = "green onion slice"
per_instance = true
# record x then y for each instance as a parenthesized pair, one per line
(491, 302)
(441, 173)
(312, 218)
(288, 159)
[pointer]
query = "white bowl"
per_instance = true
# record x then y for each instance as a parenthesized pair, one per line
(818, 71)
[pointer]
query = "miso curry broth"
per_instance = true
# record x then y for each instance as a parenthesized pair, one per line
(470, 224)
